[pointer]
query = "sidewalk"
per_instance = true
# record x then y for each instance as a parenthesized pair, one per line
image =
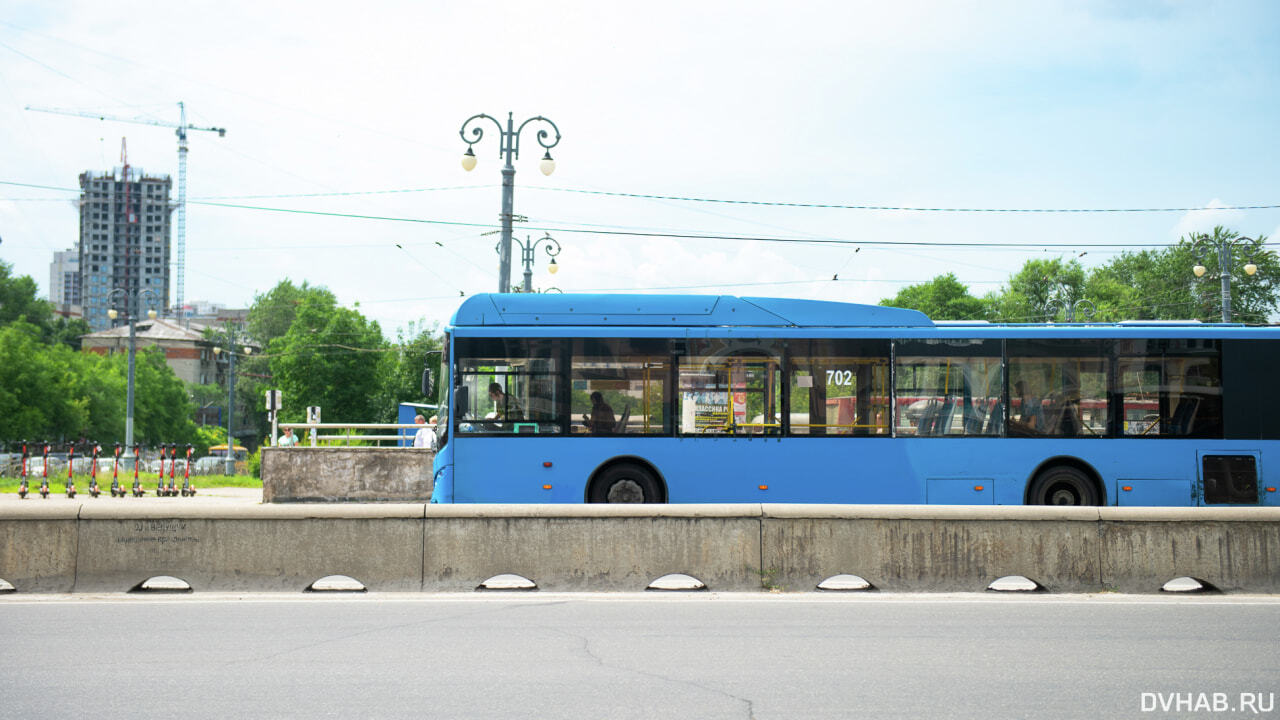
(204, 496)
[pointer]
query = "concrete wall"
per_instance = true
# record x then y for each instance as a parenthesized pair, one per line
(335, 474)
(911, 548)
(38, 547)
(410, 547)
(591, 547)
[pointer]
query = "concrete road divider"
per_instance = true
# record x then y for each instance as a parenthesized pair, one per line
(592, 547)
(1231, 549)
(38, 546)
(931, 548)
(251, 548)
(412, 547)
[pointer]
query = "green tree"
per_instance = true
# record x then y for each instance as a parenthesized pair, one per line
(162, 410)
(1253, 297)
(67, 331)
(332, 357)
(38, 398)
(103, 383)
(19, 300)
(1160, 284)
(402, 382)
(942, 298)
(1042, 290)
(273, 313)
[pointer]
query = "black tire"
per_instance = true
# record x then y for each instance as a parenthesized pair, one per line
(625, 483)
(1063, 485)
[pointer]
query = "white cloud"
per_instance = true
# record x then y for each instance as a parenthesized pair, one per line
(1204, 221)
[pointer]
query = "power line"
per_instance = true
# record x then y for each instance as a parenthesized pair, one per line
(343, 194)
(684, 235)
(899, 208)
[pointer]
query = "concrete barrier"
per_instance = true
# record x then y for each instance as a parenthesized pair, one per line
(931, 548)
(38, 546)
(411, 547)
(1233, 549)
(346, 474)
(592, 547)
(253, 548)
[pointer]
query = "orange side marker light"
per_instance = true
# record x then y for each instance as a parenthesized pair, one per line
(1271, 489)
(546, 464)
(764, 487)
(1127, 488)
(978, 488)
(546, 487)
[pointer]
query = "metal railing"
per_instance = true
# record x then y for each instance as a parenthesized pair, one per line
(407, 431)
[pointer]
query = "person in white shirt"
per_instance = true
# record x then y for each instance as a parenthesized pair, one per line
(426, 435)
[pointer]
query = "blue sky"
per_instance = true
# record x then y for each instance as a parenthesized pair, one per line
(964, 104)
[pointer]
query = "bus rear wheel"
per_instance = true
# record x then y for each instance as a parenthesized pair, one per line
(1063, 485)
(626, 483)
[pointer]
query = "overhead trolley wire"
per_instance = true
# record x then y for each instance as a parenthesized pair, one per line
(897, 208)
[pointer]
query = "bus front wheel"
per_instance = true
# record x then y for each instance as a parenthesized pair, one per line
(1063, 485)
(625, 483)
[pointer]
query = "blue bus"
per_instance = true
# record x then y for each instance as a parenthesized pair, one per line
(689, 399)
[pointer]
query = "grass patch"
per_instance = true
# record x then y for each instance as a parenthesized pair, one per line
(149, 480)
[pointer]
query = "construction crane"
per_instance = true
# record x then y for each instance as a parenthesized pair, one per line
(181, 131)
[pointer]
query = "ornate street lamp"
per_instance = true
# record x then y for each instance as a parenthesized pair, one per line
(133, 297)
(1204, 244)
(1082, 306)
(527, 249)
(509, 149)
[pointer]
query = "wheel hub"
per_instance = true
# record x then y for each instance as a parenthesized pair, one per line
(626, 491)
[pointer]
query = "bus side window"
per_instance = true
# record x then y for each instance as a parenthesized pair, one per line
(839, 387)
(1058, 388)
(730, 387)
(947, 388)
(618, 386)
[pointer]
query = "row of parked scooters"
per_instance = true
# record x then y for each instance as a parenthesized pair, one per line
(117, 488)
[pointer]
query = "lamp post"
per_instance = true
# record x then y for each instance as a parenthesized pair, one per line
(509, 149)
(229, 467)
(133, 297)
(1082, 306)
(527, 249)
(1203, 244)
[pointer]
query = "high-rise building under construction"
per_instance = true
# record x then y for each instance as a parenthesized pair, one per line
(124, 243)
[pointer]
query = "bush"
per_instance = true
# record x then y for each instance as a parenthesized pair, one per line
(254, 463)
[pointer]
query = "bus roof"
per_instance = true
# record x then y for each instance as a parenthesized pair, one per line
(650, 313)
(685, 310)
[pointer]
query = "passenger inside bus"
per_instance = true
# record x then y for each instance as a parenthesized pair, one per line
(505, 406)
(600, 420)
(1030, 419)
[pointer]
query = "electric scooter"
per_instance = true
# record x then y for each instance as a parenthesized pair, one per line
(173, 466)
(188, 490)
(137, 482)
(116, 490)
(160, 491)
(22, 486)
(44, 478)
(71, 483)
(93, 472)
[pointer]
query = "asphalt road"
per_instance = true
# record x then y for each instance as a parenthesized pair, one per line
(695, 655)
